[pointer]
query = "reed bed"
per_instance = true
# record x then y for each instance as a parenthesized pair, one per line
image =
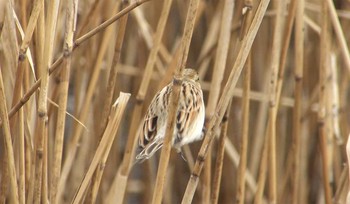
(76, 78)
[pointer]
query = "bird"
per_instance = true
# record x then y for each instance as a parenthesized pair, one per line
(190, 116)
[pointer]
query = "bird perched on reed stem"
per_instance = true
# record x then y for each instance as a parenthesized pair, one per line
(189, 117)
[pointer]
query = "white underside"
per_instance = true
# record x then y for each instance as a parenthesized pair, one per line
(193, 133)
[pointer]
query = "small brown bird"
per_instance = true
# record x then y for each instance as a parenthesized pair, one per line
(189, 117)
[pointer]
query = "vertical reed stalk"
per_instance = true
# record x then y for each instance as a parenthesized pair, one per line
(40, 128)
(275, 58)
(22, 169)
(224, 99)
(37, 8)
(7, 22)
(217, 77)
(348, 157)
(298, 72)
(62, 99)
(324, 63)
(242, 167)
(339, 32)
(214, 198)
(8, 143)
(117, 192)
(105, 144)
(107, 104)
(262, 170)
(83, 113)
(174, 101)
(46, 36)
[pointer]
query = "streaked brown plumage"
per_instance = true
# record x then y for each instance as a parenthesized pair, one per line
(189, 117)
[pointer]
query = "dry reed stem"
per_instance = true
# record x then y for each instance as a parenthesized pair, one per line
(171, 69)
(285, 43)
(83, 113)
(117, 194)
(220, 64)
(28, 55)
(324, 62)
(105, 144)
(22, 168)
(298, 72)
(273, 105)
(174, 101)
(88, 19)
(339, 33)
(242, 167)
(8, 42)
(16, 96)
(37, 8)
(62, 99)
(233, 155)
(224, 99)
(48, 34)
(262, 97)
(107, 103)
(8, 143)
(342, 191)
(208, 44)
(109, 22)
(77, 42)
(348, 158)
(214, 197)
(260, 128)
(148, 36)
(215, 86)
(312, 24)
(41, 113)
(117, 190)
(45, 188)
(334, 103)
(283, 57)
(262, 171)
(284, 49)
(153, 56)
(166, 149)
(189, 156)
(18, 84)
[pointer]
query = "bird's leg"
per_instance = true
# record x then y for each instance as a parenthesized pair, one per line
(179, 151)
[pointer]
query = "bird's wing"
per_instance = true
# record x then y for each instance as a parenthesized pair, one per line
(147, 138)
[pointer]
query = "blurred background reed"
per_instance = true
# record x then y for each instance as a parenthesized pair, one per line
(68, 131)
